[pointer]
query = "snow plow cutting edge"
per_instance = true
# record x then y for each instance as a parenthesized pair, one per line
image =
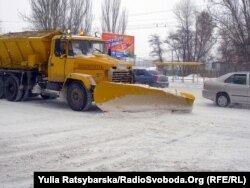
(129, 97)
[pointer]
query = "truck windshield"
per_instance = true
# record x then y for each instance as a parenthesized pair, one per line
(84, 48)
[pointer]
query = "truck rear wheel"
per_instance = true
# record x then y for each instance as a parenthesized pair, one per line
(11, 89)
(78, 97)
(1, 87)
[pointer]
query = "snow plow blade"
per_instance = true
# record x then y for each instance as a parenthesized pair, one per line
(131, 97)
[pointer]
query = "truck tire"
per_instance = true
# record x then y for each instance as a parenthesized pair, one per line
(11, 89)
(1, 87)
(78, 97)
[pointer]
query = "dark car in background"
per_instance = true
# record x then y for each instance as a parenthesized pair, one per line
(150, 77)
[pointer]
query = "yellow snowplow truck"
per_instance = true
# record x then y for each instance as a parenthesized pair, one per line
(48, 63)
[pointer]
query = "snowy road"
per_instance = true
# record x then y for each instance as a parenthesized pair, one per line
(48, 136)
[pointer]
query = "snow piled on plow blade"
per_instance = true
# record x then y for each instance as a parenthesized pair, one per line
(130, 97)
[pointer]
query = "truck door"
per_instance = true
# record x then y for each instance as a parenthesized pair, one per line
(56, 66)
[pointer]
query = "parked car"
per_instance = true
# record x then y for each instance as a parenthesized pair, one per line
(150, 77)
(228, 89)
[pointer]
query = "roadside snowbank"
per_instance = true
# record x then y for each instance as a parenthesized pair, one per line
(45, 135)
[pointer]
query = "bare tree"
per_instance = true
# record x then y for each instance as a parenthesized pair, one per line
(176, 42)
(227, 53)
(123, 21)
(88, 19)
(193, 39)
(204, 39)
(233, 18)
(80, 15)
(181, 41)
(184, 12)
(46, 14)
(114, 20)
(157, 45)
(60, 14)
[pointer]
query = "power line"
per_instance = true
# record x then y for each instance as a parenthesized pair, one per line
(153, 24)
(157, 11)
(159, 20)
(149, 13)
(161, 11)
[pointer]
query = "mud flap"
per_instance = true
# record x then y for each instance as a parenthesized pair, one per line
(130, 97)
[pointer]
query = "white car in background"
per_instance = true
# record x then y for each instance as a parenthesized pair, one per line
(228, 89)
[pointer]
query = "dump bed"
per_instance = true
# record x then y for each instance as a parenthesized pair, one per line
(26, 50)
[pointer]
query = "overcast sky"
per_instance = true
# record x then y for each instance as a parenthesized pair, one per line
(144, 17)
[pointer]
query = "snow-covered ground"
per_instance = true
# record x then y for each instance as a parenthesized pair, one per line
(46, 135)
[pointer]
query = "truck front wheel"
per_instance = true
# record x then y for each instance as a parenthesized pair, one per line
(11, 89)
(78, 97)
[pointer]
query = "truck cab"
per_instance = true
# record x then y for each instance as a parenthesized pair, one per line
(84, 55)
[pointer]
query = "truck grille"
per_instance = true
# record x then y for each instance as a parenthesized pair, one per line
(122, 76)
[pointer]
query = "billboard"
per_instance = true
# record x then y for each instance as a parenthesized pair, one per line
(119, 46)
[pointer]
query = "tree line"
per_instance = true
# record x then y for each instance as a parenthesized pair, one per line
(221, 32)
(76, 15)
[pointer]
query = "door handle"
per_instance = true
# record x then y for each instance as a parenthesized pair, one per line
(51, 64)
